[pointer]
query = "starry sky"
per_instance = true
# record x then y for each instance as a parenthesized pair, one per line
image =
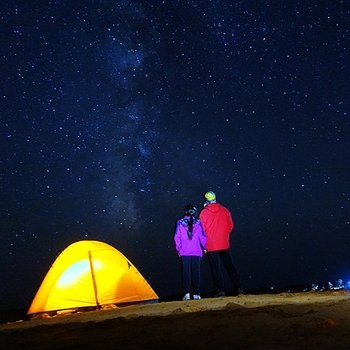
(116, 114)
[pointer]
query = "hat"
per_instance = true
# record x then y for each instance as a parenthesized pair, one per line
(210, 196)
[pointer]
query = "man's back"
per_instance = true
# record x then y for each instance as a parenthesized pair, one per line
(218, 224)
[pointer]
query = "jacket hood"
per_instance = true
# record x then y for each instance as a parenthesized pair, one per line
(213, 207)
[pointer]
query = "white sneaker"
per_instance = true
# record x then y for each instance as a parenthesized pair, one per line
(196, 297)
(187, 297)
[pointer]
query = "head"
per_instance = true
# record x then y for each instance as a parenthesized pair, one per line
(190, 210)
(210, 197)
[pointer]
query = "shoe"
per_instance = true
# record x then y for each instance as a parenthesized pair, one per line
(187, 297)
(237, 292)
(196, 297)
(219, 293)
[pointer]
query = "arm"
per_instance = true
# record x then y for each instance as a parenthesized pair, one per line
(202, 219)
(230, 223)
(202, 237)
(177, 237)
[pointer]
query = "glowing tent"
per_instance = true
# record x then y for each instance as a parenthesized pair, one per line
(90, 274)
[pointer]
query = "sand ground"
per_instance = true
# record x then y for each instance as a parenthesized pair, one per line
(311, 320)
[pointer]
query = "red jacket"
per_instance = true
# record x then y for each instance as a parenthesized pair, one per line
(218, 224)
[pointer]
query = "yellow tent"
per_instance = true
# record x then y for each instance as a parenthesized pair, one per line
(90, 274)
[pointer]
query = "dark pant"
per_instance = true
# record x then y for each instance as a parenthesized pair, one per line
(191, 274)
(216, 258)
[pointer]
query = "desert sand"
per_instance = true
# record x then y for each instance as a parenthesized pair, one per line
(310, 320)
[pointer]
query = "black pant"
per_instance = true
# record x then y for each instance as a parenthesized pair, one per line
(191, 274)
(216, 258)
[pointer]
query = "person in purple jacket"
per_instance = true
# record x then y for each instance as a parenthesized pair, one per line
(190, 241)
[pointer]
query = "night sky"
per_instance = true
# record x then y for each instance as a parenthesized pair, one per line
(116, 114)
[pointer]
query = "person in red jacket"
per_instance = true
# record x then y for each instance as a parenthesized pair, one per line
(218, 224)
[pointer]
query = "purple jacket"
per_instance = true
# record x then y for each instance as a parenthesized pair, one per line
(186, 246)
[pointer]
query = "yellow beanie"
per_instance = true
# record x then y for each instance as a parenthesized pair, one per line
(210, 196)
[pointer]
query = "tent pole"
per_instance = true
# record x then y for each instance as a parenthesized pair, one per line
(94, 280)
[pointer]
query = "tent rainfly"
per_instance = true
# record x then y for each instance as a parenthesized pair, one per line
(90, 274)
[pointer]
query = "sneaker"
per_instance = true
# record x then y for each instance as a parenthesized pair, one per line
(219, 293)
(196, 297)
(237, 292)
(187, 297)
